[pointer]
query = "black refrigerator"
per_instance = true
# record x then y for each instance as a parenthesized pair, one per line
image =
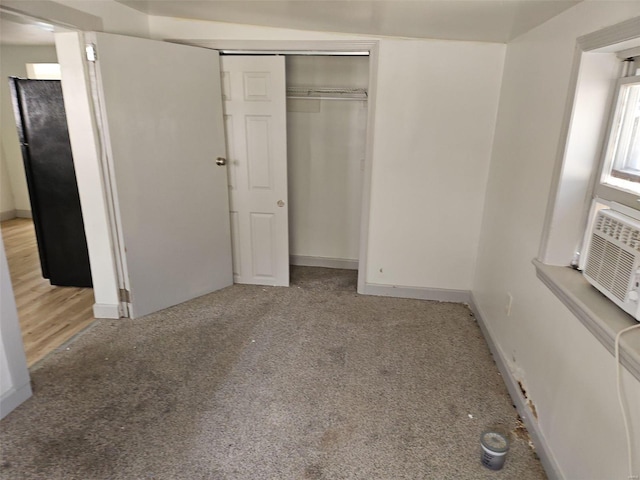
(51, 179)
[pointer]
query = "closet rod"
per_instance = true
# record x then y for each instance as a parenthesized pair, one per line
(297, 52)
(327, 93)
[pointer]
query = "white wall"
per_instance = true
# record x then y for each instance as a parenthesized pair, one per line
(13, 60)
(14, 376)
(567, 373)
(325, 155)
(434, 126)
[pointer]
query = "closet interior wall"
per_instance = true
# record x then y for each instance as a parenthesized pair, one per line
(326, 151)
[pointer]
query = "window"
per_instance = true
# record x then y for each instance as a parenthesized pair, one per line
(622, 157)
(620, 174)
(618, 179)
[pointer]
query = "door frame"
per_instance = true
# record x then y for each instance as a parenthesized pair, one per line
(319, 46)
(94, 174)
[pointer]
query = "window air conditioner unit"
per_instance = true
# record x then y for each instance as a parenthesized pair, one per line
(613, 259)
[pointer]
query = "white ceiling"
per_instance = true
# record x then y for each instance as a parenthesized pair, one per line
(476, 20)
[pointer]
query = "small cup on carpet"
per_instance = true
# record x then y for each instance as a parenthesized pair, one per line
(494, 449)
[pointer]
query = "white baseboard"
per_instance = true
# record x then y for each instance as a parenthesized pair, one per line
(24, 214)
(420, 293)
(104, 310)
(326, 262)
(8, 215)
(549, 463)
(13, 398)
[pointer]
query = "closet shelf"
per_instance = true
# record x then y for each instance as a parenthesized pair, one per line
(327, 93)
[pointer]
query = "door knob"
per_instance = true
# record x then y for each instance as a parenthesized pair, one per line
(221, 161)
(280, 203)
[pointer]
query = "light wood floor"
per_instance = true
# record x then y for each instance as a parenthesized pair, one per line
(49, 316)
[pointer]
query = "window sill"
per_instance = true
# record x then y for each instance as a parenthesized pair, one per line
(596, 312)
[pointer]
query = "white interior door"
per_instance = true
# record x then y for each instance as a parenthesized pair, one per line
(162, 117)
(254, 93)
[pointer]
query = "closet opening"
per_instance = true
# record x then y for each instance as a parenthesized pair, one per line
(326, 147)
(325, 136)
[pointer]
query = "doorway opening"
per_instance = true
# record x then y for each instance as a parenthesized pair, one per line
(51, 310)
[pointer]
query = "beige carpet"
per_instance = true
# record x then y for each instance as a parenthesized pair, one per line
(307, 382)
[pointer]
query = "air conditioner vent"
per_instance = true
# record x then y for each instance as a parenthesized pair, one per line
(596, 250)
(613, 259)
(623, 274)
(618, 230)
(610, 266)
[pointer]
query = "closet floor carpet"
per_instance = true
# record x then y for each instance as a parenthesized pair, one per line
(307, 382)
